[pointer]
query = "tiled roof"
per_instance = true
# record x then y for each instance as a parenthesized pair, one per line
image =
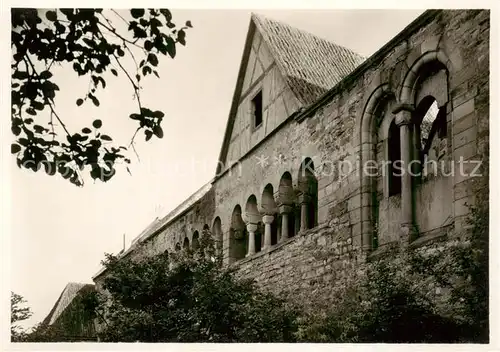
(312, 65)
(69, 293)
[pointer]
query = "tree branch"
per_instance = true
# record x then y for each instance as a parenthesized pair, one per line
(112, 30)
(123, 19)
(136, 87)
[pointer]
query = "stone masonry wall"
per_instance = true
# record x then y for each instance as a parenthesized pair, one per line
(314, 260)
(309, 264)
(334, 133)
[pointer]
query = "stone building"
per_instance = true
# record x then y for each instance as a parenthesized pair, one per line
(309, 181)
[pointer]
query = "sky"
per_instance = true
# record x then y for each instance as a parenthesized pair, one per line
(59, 233)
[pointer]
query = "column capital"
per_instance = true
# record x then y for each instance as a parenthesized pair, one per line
(403, 107)
(251, 227)
(285, 208)
(267, 219)
(283, 199)
(253, 218)
(304, 198)
(404, 113)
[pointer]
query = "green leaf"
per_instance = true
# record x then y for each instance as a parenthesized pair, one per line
(20, 74)
(51, 16)
(38, 128)
(137, 13)
(86, 130)
(135, 116)
(94, 100)
(31, 111)
(188, 24)
(146, 112)
(158, 114)
(37, 105)
(103, 82)
(79, 102)
(156, 23)
(170, 47)
(97, 123)
(113, 71)
(148, 134)
(181, 37)
(153, 59)
(146, 70)
(15, 148)
(167, 14)
(45, 75)
(105, 137)
(158, 131)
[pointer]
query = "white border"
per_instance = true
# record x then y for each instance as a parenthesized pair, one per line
(224, 4)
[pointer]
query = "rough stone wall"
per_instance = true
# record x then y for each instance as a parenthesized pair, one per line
(329, 253)
(334, 133)
(307, 264)
(317, 267)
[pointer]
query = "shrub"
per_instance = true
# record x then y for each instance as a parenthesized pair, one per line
(187, 297)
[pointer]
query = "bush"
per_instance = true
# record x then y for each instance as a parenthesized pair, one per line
(384, 306)
(437, 293)
(187, 297)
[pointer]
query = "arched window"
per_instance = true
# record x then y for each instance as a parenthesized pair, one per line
(380, 149)
(269, 207)
(308, 186)
(430, 122)
(185, 245)
(395, 165)
(253, 217)
(177, 247)
(217, 233)
(287, 202)
(237, 235)
(196, 241)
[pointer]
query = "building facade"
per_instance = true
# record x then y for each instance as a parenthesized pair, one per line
(328, 158)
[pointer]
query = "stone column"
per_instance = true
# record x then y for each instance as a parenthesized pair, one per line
(284, 210)
(403, 121)
(251, 228)
(267, 220)
(304, 200)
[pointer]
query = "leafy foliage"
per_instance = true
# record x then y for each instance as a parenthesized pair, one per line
(19, 312)
(437, 293)
(86, 41)
(187, 296)
(431, 294)
(74, 323)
